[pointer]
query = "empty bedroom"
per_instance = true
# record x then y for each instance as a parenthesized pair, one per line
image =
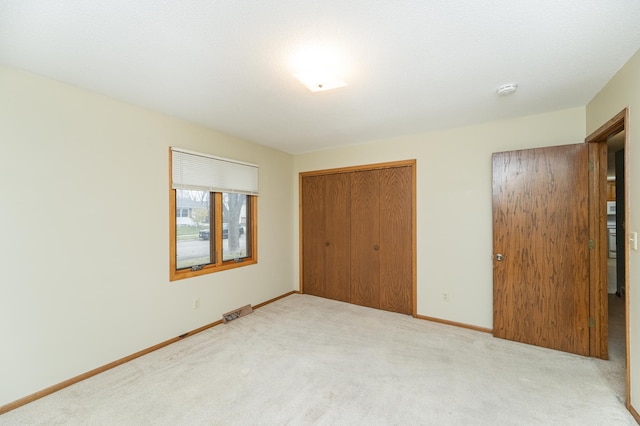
(319, 213)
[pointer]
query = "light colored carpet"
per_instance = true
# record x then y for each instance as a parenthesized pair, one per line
(304, 360)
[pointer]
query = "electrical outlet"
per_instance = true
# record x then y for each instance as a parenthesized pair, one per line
(196, 303)
(445, 297)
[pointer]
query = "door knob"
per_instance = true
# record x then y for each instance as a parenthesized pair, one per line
(499, 257)
(326, 244)
(376, 247)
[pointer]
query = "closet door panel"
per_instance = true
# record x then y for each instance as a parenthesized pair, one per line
(313, 235)
(396, 256)
(337, 243)
(365, 225)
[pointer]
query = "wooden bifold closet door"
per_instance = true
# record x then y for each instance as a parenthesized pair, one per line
(357, 237)
(325, 233)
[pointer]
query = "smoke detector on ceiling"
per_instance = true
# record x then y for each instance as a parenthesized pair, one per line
(507, 89)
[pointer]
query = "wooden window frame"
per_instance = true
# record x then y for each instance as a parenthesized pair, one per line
(217, 263)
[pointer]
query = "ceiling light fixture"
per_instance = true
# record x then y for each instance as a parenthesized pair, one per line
(319, 81)
(318, 68)
(507, 89)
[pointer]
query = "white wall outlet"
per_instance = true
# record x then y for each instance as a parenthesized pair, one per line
(196, 303)
(445, 296)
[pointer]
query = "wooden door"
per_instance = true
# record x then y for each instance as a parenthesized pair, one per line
(358, 242)
(396, 231)
(541, 247)
(381, 239)
(337, 209)
(365, 238)
(313, 235)
(326, 235)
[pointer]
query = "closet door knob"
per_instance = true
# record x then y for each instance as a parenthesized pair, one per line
(376, 247)
(326, 244)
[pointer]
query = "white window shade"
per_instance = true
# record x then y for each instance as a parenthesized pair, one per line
(193, 170)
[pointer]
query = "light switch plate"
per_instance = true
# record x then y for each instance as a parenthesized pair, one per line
(633, 240)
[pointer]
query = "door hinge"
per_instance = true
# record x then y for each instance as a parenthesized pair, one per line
(591, 166)
(591, 244)
(592, 322)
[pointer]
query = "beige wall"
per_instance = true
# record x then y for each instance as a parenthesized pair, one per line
(624, 91)
(454, 239)
(84, 232)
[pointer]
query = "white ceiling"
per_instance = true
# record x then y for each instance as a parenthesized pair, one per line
(413, 65)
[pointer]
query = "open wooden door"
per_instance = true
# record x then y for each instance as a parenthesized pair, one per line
(541, 247)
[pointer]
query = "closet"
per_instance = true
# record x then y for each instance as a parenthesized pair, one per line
(357, 235)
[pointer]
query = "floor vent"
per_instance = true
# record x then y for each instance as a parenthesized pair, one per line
(240, 312)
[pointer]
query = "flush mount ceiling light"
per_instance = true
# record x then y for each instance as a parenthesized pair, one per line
(318, 68)
(507, 89)
(319, 81)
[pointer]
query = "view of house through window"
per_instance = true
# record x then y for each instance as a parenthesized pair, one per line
(193, 228)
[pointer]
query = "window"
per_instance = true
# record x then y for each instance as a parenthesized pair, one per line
(183, 212)
(213, 205)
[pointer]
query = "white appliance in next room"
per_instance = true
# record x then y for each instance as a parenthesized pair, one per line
(611, 228)
(612, 243)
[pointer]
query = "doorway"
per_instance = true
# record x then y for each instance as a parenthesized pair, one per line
(616, 285)
(584, 309)
(612, 139)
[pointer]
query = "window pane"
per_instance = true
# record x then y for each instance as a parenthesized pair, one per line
(235, 226)
(193, 228)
